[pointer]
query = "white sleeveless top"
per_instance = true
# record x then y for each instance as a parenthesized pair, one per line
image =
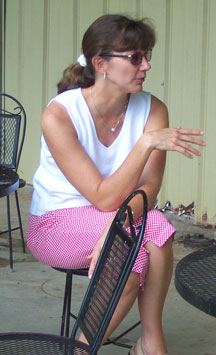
(52, 190)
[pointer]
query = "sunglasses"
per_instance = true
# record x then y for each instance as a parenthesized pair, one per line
(135, 59)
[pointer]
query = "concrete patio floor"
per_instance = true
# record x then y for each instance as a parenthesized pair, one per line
(31, 297)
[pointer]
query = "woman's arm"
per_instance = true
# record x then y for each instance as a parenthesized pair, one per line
(152, 175)
(153, 171)
(79, 169)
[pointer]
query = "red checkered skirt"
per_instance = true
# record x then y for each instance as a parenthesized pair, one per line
(64, 238)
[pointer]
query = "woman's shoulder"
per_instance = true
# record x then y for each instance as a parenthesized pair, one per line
(145, 96)
(157, 104)
(67, 96)
(141, 100)
(141, 96)
(158, 117)
(59, 108)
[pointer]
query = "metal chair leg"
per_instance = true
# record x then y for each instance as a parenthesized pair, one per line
(9, 233)
(20, 221)
(10, 229)
(66, 305)
(114, 341)
(69, 290)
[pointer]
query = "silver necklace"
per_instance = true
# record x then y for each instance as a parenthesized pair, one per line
(113, 129)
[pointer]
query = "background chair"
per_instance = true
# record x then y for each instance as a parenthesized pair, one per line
(12, 135)
(105, 288)
(195, 279)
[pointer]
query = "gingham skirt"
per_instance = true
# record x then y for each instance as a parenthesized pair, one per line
(64, 238)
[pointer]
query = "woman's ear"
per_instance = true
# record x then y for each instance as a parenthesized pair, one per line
(99, 64)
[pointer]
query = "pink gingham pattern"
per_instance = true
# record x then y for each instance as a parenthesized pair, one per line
(64, 238)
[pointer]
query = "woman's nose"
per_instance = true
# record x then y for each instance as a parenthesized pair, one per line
(145, 65)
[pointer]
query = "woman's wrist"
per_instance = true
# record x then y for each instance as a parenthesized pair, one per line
(147, 142)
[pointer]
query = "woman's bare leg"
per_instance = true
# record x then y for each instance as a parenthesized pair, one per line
(126, 301)
(151, 300)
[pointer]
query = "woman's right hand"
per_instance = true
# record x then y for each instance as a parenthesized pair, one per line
(175, 139)
(93, 257)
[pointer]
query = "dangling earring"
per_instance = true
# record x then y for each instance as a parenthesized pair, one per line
(105, 75)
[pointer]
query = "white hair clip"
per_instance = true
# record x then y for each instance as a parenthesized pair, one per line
(82, 60)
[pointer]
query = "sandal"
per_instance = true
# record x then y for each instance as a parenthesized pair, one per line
(138, 349)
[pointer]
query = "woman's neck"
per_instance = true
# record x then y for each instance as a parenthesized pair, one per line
(107, 103)
(107, 113)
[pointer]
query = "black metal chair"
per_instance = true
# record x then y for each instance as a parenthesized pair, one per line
(67, 304)
(12, 135)
(66, 311)
(105, 288)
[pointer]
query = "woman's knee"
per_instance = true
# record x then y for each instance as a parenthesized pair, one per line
(166, 247)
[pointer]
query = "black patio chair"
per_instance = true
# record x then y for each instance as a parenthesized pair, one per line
(67, 313)
(12, 135)
(105, 288)
(67, 305)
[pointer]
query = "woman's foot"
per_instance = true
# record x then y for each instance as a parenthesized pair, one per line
(138, 350)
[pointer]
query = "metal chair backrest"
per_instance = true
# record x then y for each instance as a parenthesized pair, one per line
(12, 131)
(105, 288)
(111, 273)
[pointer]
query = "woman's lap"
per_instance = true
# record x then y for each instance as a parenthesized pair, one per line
(64, 238)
